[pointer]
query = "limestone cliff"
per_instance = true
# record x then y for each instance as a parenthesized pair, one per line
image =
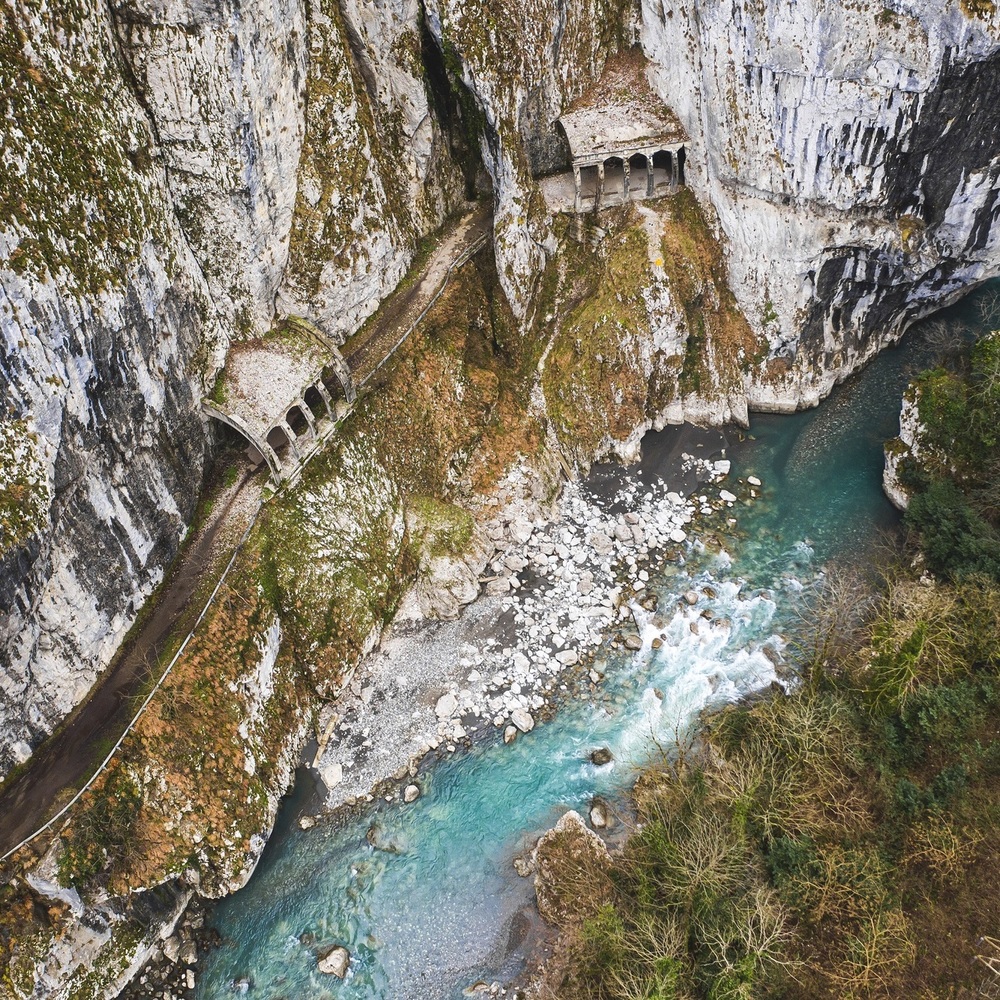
(106, 320)
(176, 173)
(852, 153)
(170, 170)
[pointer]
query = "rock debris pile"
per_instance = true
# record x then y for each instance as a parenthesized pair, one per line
(554, 591)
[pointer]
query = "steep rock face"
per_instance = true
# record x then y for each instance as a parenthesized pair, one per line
(375, 172)
(851, 152)
(522, 63)
(224, 85)
(103, 313)
(165, 177)
(904, 447)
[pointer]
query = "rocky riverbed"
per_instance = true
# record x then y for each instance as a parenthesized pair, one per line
(555, 589)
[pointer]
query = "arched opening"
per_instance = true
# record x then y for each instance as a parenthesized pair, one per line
(662, 168)
(296, 419)
(332, 383)
(315, 402)
(614, 178)
(681, 157)
(637, 173)
(279, 441)
(588, 182)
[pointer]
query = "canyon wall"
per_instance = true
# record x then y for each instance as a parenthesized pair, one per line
(175, 174)
(181, 172)
(107, 325)
(852, 154)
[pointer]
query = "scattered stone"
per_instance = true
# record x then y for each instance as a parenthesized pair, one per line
(658, 693)
(188, 954)
(307, 822)
(595, 677)
(522, 720)
(510, 734)
(521, 531)
(772, 654)
(411, 793)
(524, 866)
(601, 756)
(172, 948)
(727, 496)
(722, 467)
(677, 535)
(567, 657)
(335, 962)
(598, 814)
(753, 481)
(633, 641)
(691, 598)
(446, 706)
(189, 979)
(332, 774)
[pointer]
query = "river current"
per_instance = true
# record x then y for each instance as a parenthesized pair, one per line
(444, 907)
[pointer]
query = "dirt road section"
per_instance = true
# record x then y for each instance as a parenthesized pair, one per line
(68, 757)
(401, 312)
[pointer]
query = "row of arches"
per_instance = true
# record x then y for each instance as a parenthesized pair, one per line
(320, 401)
(640, 175)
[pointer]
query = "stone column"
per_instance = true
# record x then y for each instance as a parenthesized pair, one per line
(270, 456)
(626, 169)
(650, 180)
(292, 437)
(674, 171)
(310, 419)
(577, 185)
(600, 186)
(327, 399)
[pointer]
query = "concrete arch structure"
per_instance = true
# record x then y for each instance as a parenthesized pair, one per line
(279, 393)
(618, 135)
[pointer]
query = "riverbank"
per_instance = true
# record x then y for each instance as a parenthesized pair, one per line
(558, 589)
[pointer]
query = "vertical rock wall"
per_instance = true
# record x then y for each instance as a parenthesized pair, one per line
(224, 85)
(522, 63)
(852, 153)
(375, 173)
(105, 327)
(169, 167)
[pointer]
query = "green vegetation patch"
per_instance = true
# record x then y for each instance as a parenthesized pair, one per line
(332, 553)
(439, 528)
(955, 503)
(24, 485)
(605, 295)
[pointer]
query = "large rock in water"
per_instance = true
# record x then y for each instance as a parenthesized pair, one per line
(571, 871)
(335, 962)
(522, 719)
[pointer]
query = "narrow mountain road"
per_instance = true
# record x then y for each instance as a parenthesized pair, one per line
(397, 316)
(68, 758)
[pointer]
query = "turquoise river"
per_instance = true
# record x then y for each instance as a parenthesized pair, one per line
(446, 907)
